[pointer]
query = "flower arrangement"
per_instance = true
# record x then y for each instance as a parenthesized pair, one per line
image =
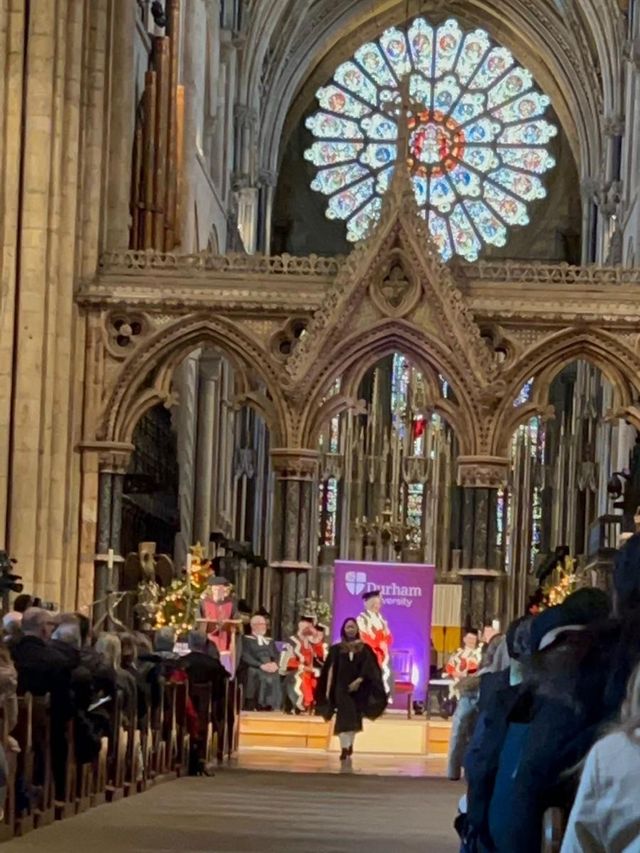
(317, 607)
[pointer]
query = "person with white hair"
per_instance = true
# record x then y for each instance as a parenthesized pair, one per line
(11, 626)
(259, 669)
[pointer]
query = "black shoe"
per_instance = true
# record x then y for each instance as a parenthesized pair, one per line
(344, 754)
(350, 751)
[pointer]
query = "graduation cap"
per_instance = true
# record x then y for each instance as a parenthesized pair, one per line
(217, 580)
(374, 593)
(308, 619)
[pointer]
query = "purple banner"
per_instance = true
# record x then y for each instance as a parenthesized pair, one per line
(407, 595)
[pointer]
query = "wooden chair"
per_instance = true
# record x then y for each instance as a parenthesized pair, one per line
(169, 734)
(44, 810)
(402, 666)
(157, 746)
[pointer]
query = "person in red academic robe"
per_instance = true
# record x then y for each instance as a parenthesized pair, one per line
(306, 654)
(374, 631)
(218, 606)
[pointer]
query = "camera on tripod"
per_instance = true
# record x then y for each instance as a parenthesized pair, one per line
(8, 580)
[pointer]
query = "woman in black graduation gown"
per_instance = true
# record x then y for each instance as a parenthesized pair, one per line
(350, 686)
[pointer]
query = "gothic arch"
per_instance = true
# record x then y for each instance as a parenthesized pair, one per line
(355, 355)
(145, 379)
(618, 363)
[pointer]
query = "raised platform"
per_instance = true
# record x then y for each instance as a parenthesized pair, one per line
(392, 734)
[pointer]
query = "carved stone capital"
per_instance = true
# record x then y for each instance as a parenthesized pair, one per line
(113, 456)
(613, 125)
(482, 472)
(294, 463)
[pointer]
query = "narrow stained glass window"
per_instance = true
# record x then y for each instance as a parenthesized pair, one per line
(477, 135)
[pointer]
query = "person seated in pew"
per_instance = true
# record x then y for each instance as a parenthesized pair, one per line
(260, 669)
(110, 647)
(11, 627)
(43, 669)
(89, 727)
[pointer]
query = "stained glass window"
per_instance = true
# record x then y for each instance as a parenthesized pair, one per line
(525, 394)
(476, 135)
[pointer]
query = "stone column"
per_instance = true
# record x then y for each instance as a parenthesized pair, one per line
(113, 464)
(186, 420)
(292, 555)
(483, 580)
(208, 408)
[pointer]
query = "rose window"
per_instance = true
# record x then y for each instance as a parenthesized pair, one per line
(472, 122)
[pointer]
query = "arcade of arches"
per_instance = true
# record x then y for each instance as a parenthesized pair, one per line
(190, 345)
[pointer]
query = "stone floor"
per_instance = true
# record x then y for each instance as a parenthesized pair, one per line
(319, 761)
(241, 811)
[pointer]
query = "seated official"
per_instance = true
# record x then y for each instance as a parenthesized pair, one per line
(260, 669)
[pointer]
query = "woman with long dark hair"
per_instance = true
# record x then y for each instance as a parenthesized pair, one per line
(350, 686)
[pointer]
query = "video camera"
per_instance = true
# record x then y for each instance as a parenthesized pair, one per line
(8, 580)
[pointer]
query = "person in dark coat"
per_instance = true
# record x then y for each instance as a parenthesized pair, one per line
(44, 670)
(548, 727)
(202, 667)
(350, 686)
(259, 669)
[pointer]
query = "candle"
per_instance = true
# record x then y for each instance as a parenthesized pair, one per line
(110, 560)
(189, 561)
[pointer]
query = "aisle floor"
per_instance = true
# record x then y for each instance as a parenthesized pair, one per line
(241, 811)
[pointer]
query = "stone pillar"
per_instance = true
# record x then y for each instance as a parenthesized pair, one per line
(113, 465)
(480, 570)
(291, 547)
(186, 420)
(208, 409)
(52, 135)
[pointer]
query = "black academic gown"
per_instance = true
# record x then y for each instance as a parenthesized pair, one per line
(343, 666)
(261, 689)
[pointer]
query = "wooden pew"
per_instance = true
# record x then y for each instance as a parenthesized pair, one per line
(66, 806)
(24, 821)
(7, 825)
(203, 746)
(117, 752)
(183, 737)
(44, 810)
(554, 824)
(169, 733)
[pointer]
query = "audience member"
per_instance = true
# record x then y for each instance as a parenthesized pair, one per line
(203, 667)
(259, 669)
(605, 814)
(23, 602)
(494, 658)
(110, 647)
(11, 627)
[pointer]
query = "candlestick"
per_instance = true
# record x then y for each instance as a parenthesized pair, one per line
(110, 560)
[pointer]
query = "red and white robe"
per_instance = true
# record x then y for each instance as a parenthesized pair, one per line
(303, 670)
(374, 630)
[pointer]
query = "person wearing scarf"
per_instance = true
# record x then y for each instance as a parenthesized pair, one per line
(350, 686)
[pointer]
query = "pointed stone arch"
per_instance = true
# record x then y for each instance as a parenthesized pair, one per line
(619, 364)
(144, 380)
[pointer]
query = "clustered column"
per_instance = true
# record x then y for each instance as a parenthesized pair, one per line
(294, 475)
(474, 533)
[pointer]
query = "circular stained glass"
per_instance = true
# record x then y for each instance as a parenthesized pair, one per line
(473, 127)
